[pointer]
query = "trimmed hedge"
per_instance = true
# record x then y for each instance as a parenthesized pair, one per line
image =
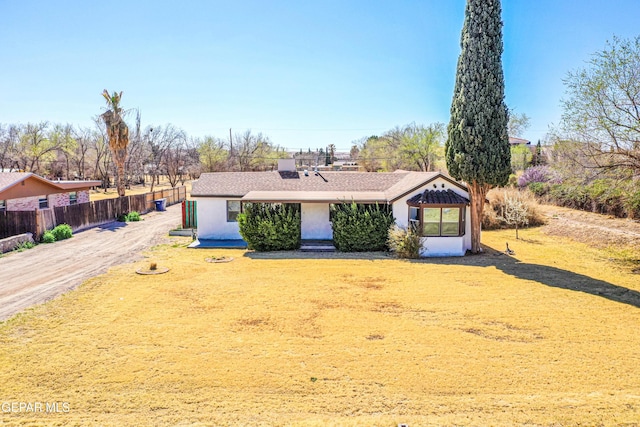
(361, 228)
(270, 226)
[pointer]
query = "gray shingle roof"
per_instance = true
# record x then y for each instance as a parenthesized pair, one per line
(240, 183)
(324, 186)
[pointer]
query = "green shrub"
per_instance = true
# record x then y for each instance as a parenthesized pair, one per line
(270, 226)
(611, 196)
(48, 237)
(538, 188)
(133, 216)
(570, 195)
(405, 243)
(130, 217)
(632, 204)
(24, 246)
(361, 228)
(62, 231)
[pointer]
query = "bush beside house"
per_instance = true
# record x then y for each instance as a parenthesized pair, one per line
(405, 243)
(360, 227)
(270, 226)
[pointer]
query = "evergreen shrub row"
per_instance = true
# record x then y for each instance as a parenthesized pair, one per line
(361, 228)
(270, 226)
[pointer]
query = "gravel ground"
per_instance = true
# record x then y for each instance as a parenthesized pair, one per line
(47, 271)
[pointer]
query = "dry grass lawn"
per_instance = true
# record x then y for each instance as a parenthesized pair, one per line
(547, 337)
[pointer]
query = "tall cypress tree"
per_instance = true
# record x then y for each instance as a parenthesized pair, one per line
(477, 148)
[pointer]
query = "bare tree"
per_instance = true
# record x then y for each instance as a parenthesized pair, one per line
(255, 152)
(159, 140)
(192, 168)
(83, 138)
(602, 110)
(138, 152)
(9, 138)
(176, 159)
(100, 145)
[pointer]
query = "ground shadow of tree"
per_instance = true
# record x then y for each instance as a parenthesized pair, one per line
(546, 275)
(111, 226)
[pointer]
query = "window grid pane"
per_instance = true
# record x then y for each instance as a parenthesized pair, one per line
(431, 222)
(450, 221)
(446, 221)
(233, 209)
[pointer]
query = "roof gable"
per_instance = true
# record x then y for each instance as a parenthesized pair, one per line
(14, 185)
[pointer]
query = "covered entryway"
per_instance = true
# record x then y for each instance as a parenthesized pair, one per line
(315, 222)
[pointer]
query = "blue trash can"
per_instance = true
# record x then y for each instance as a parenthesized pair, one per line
(161, 204)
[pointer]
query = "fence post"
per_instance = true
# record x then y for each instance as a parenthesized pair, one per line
(40, 223)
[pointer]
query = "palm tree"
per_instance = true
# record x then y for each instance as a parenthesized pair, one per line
(118, 134)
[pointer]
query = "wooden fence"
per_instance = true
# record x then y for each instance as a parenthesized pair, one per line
(13, 223)
(84, 215)
(189, 214)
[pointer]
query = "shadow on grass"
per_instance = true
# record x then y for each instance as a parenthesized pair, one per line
(544, 274)
(282, 255)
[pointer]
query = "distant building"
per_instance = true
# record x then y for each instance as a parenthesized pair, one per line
(26, 191)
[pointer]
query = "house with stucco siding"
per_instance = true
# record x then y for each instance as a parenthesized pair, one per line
(433, 203)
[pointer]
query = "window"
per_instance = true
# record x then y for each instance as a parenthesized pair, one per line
(414, 218)
(233, 209)
(450, 222)
(73, 198)
(43, 202)
(3, 205)
(445, 221)
(431, 222)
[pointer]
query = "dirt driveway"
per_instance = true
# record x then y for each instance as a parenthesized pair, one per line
(46, 271)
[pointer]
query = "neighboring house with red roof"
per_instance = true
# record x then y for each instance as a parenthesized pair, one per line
(431, 201)
(26, 191)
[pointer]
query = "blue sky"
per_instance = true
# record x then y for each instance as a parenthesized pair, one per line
(305, 73)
